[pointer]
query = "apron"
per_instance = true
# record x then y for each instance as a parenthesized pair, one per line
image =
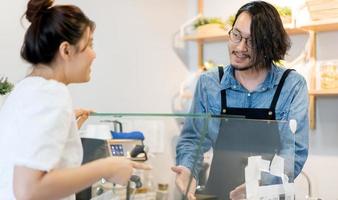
(253, 113)
(235, 143)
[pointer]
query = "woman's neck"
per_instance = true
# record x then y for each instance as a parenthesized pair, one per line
(49, 72)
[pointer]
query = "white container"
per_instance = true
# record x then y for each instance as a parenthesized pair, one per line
(97, 131)
(162, 192)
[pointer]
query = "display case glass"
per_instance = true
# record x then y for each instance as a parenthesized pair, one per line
(222, 152)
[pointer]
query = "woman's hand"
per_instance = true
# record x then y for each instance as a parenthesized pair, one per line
(81, 116)
(119, 170)
(31, 183)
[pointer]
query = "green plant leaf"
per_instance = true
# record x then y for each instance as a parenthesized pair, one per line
(5, 86)
(208, 20)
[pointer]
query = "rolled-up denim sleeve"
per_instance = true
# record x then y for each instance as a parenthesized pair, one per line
(194, 141)
(299, 112)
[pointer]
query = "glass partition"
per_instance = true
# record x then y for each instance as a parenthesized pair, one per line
(222, 152)
(254, 156)
(124, 132)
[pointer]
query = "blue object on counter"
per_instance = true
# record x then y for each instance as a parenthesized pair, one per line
(133, 135)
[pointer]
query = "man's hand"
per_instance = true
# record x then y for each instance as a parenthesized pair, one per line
(81, 116)
(182, 181)
(238, 193)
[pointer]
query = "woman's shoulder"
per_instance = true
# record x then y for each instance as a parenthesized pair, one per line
(42, 90)
(35, 83)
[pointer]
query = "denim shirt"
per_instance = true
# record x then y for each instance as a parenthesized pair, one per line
(292, 104)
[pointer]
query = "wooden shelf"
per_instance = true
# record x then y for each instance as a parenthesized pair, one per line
(317, 26)
(207, 37)
(324, 92)
(321, 25)
(295, 31)
(225, 36)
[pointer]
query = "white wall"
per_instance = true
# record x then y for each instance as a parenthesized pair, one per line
(322, 163)
(11, 37)
(136, 69)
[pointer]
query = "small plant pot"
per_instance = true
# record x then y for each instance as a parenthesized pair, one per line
(210, 29)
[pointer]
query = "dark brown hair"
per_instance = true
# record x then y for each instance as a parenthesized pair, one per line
(50, 26)
(270, 41)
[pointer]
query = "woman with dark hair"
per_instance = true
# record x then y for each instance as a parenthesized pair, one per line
(40, 149)
(253, 86)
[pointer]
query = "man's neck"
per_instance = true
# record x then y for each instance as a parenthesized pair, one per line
(251, 78)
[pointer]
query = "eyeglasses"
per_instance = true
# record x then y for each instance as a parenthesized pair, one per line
(236, 37)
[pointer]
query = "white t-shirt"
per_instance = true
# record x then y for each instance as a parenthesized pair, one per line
(37, 130)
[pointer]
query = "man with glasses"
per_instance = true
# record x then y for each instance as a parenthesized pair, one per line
(252, 85)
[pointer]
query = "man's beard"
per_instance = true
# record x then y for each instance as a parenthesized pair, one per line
(237, 68)
(242, 69)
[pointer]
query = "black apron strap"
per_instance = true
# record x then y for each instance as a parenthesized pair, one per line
(220, 73)
(279, 89)
(223, 93)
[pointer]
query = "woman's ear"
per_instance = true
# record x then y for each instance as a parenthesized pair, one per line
(64, 50)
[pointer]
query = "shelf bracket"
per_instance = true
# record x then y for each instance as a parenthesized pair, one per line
(312, 111)
(200, 7)
(312, 98)
(200, 44)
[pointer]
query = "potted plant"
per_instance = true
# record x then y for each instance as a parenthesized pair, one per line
(208, 20)
(209, 25)
(285, 13)
(5, 88)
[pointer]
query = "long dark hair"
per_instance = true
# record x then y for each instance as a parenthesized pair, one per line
(270, 41)
(50, 26)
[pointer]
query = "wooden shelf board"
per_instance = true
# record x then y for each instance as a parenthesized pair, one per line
(321, 25)
(326, 92)
(225, 36)
(207, 37)
(318, 26)
(295, 31)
